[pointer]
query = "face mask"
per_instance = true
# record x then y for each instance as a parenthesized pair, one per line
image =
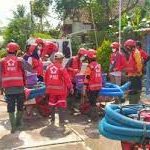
(113, 50)
(40, 46)
(39, 52)
(82, 58)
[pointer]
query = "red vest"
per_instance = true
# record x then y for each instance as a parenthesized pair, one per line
(37, 66)
(76, 64)
(54, 80)
(132, 66)
(95, 81)
(12, 72)
(119, 61)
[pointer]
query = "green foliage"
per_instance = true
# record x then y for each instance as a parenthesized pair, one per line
(103, 55)
(20, 13)
(42, 35)
(64, 7)
(75, 43)
(18, 30)
(54, 33)
(3, 53)
(40, 10)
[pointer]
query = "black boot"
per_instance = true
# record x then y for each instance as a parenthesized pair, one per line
(19, 120)
(12, 122)
(53, 116)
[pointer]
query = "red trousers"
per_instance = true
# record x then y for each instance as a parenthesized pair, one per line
(57, 101)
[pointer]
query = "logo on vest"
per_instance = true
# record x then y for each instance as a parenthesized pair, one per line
(11, 65)
(53, 72)
(98, 71)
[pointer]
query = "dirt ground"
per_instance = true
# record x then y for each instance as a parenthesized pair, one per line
(39, 134)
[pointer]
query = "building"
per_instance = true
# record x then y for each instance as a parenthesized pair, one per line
(78, 21)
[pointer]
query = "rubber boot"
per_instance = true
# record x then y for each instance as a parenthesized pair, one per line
(53, 116)
(19, 120)
(134, 98)
(12, 122)
(61, 119)
(94, 116)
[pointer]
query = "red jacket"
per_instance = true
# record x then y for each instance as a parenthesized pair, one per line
(57, 79)
(117, 61)
(49, 48)
(74, 67)
(37, 66)
(93, 73)
(12, 74)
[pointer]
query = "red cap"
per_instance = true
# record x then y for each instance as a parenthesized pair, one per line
(12, 47)
(130, 43)
(39, 41)
(115, 45)
(91, 53)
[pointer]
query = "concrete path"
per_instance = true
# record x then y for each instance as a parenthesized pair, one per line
(39, 134)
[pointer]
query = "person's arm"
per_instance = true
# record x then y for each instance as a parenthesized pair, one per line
(67, 81)
(26, 66)
(68, 64)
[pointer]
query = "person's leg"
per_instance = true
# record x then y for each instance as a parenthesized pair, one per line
(52, 104)
(11, 111)
(20, 100)
(61, 116)
(118, 80)
(62, 105)
(92, 96)
(134, 98)
(135, 90)
(112, 78)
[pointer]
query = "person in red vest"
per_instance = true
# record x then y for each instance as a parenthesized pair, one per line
(93, 82)
(73, 66)
(36, 61)
(117, 63)
(58, 85)
(134, 71)
(12, 80)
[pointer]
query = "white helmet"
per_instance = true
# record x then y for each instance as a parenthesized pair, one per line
(58, 55)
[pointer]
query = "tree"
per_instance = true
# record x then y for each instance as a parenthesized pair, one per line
(40, 10)
(105, 12)
(19, 28)
(20, 12)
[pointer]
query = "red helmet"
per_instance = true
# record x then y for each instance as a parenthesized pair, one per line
(31, 49)
(91, 53)
(39, 41)
(115, 45)
(82, 51)
(12, 47)
(53, 46)
(130, 43)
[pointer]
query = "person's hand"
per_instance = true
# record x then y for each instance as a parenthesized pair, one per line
(71, 91)
(76, 70)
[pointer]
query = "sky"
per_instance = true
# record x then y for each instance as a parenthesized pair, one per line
(7, 6)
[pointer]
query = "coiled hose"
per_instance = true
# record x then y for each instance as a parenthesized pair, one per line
(117, 124)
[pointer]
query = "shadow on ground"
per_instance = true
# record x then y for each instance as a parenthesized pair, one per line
(54, 132)
(10, 141)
